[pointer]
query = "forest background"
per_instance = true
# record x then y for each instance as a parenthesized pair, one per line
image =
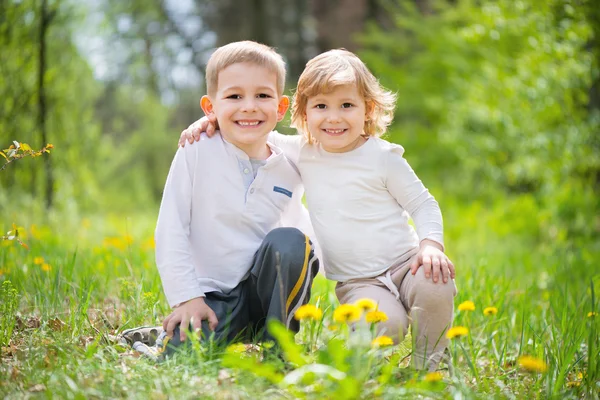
(498, 110)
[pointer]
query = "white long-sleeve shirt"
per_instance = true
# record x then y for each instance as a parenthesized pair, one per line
(214, 215)
(359, 204)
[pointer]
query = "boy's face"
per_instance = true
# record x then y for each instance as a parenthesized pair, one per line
(247, 106)
(337, 119)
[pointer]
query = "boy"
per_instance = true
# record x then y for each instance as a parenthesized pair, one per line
(226, 251)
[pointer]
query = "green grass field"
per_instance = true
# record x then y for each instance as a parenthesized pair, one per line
(83, 280)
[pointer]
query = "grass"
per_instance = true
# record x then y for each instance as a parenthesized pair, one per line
(97, 278)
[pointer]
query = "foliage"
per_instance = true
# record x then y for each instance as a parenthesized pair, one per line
(18, 150)
(493, 98)
(9, 305)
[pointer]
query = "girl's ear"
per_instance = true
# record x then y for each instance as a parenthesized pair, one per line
(206, 106)
(284, 104)
(369, 109)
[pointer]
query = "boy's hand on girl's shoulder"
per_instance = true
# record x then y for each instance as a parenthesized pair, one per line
(192, 133)
(433, 260)
(194, 311)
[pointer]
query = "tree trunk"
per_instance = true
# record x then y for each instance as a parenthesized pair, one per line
(42, 110)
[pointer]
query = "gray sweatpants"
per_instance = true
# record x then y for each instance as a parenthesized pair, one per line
(408, 299)
(279, 282)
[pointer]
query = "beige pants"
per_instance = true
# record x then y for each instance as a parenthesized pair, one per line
(408, 299)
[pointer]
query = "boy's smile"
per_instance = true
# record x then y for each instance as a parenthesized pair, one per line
(337, 119)
(247, 106)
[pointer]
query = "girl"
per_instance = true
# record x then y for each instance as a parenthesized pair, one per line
(359, 190)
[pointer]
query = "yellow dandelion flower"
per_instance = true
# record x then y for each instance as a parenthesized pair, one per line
(46, 267)
(466, 306)
(571, 384)
(592, 314)
(457, 331)
(532, 364)
(38, 260)
(433, 377)
(366, 304)
(382, 341)
(346, 313)
(308, 311)
(376, 316)
(490, 311)
(333, 327)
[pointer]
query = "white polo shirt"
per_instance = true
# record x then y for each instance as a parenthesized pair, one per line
(214, 215)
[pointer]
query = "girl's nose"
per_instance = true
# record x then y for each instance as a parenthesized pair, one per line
(333, 117)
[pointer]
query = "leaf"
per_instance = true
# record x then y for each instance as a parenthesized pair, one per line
(26, 147)
(3, 155)
(285, 338)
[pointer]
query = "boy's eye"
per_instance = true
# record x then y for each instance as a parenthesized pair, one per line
(347, 105)
(234, 96)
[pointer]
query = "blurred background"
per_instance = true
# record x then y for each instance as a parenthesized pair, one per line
(498, 100)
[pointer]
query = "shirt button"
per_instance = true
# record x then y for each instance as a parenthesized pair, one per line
(246, 170)
(252, 190)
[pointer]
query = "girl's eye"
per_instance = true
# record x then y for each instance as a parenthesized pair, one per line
(264, 96)
(347, 105)
(321, 106)
(234, 96)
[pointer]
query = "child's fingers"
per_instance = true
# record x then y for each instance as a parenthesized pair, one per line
(451, 269)
(212, 320)
(445, 271)
(436, 269)
(182, 138)
(173, 321)
(183, 327)
(196, 324)
(414, 265)
(166, 324)
(427, 266)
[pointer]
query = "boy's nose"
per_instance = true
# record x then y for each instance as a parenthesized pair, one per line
(249, 105)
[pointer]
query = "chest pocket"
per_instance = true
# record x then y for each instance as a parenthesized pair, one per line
(280, 196)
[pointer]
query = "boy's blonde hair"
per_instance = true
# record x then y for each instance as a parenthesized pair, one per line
(240, 52)
(340, 67)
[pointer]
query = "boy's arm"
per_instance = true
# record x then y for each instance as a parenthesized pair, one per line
(173, 253)
(413, 196)
(296, 215)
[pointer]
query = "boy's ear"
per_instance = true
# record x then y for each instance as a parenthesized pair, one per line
(284, 104)
(206, 105)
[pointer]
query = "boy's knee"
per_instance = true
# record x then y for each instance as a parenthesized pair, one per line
(290, 243)
(285, 238)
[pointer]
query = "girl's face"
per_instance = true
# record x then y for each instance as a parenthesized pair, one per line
(337, 119)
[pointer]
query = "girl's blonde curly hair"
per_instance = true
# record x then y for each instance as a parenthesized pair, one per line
(340, 67)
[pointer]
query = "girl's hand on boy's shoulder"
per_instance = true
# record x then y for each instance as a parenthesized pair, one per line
(192, 133)
(433, 261)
